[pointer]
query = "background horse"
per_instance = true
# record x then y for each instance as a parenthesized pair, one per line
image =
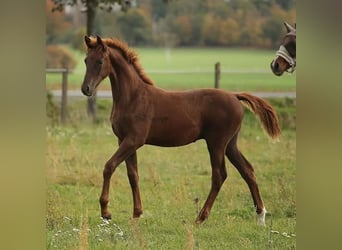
(285, 59)
(144, 114)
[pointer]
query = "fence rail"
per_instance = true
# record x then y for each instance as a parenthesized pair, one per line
(64, 93)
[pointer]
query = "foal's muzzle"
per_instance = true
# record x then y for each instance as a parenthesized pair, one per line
(88, 89)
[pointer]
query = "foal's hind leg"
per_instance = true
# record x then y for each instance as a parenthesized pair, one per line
(132, 172)
(218, 176)
(247, 172)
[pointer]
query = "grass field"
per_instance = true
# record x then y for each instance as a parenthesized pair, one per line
(170, 180)
(242, 69)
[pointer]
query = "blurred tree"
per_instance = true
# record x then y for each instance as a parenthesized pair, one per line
(273, 30)
(194, 11)
(184, 29)
(158, 9)
(263, 6)
(56, 25)
(190, 23)
(229, 32)
(211, 30)
(285, 4)
(77, 39)
(146, 6)
(219, 8)
(135, 27)
(240, 4)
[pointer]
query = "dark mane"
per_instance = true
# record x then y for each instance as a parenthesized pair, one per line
(131, 56)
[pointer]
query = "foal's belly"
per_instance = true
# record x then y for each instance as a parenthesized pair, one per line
(168, 142)
(168, 133)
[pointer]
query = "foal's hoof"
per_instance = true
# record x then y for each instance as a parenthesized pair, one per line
(137, 213)
(261, 217)
(200, 220)
(106, 216)
(203, 215)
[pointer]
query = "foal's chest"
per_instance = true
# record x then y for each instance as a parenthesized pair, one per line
(127, 123)
(117, 126)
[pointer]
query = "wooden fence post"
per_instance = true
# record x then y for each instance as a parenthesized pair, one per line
(217, 75)
(64, 95)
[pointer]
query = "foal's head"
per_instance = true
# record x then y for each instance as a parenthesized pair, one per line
(285, 59)
(98, 64)
(103, 55)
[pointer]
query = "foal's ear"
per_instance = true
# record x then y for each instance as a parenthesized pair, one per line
(100, 43)
(288, 27)
(87, 41)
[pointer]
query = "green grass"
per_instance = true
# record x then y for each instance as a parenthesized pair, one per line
(248, 69)
(170, 180)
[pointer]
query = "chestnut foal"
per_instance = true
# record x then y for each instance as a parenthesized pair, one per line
(144, 114)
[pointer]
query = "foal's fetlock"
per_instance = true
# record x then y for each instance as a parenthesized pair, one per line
(137, 213)
(203, 215)
(105, 214)
(199, 220)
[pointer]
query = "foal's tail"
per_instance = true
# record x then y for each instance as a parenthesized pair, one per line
(264, 111)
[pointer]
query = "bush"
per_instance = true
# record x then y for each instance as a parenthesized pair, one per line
(77, 40)
(59, 57)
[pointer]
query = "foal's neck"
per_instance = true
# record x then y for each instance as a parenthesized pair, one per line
(124, 80)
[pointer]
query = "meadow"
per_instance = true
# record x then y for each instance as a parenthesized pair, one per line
(174, 183)
(186, 68)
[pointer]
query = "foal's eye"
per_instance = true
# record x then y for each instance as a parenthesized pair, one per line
(100, 62)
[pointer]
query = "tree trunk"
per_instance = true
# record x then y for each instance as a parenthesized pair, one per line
(91, 8)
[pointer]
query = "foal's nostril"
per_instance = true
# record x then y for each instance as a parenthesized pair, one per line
(86, 90)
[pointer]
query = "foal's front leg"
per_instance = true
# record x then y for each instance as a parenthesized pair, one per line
(133, 176)
(126, 149)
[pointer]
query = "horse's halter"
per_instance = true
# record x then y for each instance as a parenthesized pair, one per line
(283, 53)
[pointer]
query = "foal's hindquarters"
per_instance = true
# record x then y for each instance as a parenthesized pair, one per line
(221, 133)
(219, 174)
